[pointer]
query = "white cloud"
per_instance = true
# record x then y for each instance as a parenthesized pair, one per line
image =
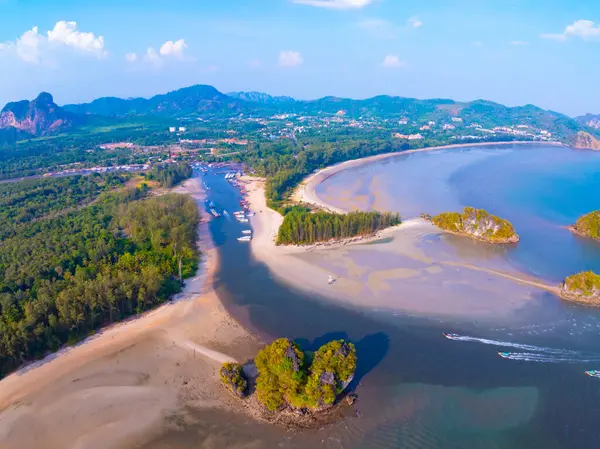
(519, 43)
(584, 29)
(35, 48)
(289, 58)
(335, 4)
(393, 61)
(131, 57)
(66, 33)
(415, 22)
(175, 49)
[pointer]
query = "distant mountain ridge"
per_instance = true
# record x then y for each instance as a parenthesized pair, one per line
(198, 99)
(42, 116)
(37, 117)
(259, 97)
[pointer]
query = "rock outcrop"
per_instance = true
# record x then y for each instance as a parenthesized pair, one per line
(478, 224)
(38, 117)
(588, 225)
(232, 376)
(582, 287)
(586, 141)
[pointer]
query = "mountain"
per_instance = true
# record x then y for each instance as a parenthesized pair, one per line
(38, 117)
(198, 99)
(590, 120)
(262, 98)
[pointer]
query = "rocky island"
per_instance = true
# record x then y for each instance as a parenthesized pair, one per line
(478, 224)
(582, 287)
(588, 225)
(289, 386)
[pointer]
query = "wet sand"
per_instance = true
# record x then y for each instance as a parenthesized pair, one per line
(305, 192)
(131, 381)
(394, 271)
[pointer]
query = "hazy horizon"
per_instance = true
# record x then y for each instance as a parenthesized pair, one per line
(513, 54)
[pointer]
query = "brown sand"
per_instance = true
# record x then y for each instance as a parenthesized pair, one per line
(121, 387)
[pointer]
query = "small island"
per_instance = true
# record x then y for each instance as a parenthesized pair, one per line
(582, 287)
(588, 225)
(478, 224)
(292, 387)
(301, 226)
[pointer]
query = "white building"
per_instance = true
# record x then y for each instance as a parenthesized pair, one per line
(415, 137)
(403, 122)
(457, 119)
(172, 129)
(425, 128)
(448, 127)
(431, 123)
(182, 129)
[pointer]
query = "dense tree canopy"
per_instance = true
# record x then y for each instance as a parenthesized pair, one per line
(169, 175)
(64, 276)
(301, 227)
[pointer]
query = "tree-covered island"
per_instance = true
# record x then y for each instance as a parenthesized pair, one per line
(582, 287)
(588, 225)
(478, 224)
(289, 381)
(302, 227)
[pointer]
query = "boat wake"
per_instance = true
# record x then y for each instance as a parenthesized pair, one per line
(545, 358)
(508, 344)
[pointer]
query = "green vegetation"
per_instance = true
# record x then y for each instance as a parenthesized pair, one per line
(23, 202)
(65, 276)
(301, 227)
(232, 376)
(477, 223)
(589, 225)
(583, 287)
(287, 377)
(169, 175)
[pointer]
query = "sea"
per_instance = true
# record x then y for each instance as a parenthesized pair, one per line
(416, 388)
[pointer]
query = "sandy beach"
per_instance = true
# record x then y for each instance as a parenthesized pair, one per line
(392, 271)
(123, 386)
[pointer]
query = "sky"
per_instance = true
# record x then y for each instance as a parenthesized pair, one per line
(515, 52)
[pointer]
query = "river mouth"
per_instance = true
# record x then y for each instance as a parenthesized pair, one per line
(417, 389)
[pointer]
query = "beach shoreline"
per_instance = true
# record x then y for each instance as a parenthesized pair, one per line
(131, 376)
(305, 192)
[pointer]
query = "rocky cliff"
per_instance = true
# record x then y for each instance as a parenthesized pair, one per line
(478, 224)
(582, 287)
(586, 141)
(38, 117)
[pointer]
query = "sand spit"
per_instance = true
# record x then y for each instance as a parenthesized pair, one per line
(390, 271)
(120, 388)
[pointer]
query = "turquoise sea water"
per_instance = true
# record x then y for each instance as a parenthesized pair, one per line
(417, 389)
(540, 189)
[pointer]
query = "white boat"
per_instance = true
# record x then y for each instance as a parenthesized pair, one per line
(243, 220)
(251, 214)
(215, 213)
(246, 231)
(244, 238)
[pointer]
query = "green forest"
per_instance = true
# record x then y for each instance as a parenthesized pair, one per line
(302, 227)
(169, 175)
(64, 275)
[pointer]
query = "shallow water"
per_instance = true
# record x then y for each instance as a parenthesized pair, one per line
(416, 388)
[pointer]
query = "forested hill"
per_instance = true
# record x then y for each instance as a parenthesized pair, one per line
(86, 257)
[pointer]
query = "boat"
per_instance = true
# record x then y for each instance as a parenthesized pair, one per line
(593, 373)
(225, 212)
(215, 213)
(331, 280)
(251, 214)
(504, 355)
(244, 238)
(246, 231)
(450, 336)
(243, 220)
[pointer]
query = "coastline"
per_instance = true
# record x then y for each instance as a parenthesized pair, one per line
(305, 192)
(308, 267)
(118, 387)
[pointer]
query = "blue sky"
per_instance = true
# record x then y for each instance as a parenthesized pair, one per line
(511, 51)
